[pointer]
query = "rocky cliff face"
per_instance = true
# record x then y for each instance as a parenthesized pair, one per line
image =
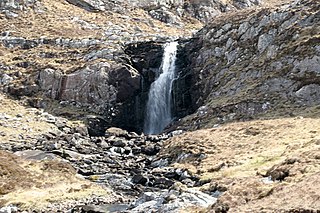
(92, 71)
(257, 62)
(101, 85)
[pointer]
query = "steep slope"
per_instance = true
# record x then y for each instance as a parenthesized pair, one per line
(254, 63)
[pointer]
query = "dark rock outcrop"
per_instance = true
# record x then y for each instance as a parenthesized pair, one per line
(146, 58)
(98, 86)
(91, 6)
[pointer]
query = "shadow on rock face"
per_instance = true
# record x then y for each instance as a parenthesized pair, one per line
(96, 126)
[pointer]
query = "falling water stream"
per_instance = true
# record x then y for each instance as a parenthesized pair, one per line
(158, 110)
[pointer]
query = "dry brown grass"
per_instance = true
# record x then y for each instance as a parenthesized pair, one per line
(246, 147)
(303, 196)
(33, 185)
(11, 173)
(28, 123)
(56, 21)
(237, 154)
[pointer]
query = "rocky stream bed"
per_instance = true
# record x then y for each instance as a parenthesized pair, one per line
(123, 161)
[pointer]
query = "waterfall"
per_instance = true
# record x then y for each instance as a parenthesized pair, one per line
(158, 110)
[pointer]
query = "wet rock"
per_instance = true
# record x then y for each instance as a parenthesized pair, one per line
(96, 126)
(136, 150)
(85, 172)
(171, 201)
(119, 143)
(139, 179)
(117, 150)
(146, 59)
(160, 163)
(150, 149)
(162, 183)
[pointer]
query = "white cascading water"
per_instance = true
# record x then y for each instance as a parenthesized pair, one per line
(158, 110)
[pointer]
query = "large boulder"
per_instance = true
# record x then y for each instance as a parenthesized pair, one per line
(98, 86)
